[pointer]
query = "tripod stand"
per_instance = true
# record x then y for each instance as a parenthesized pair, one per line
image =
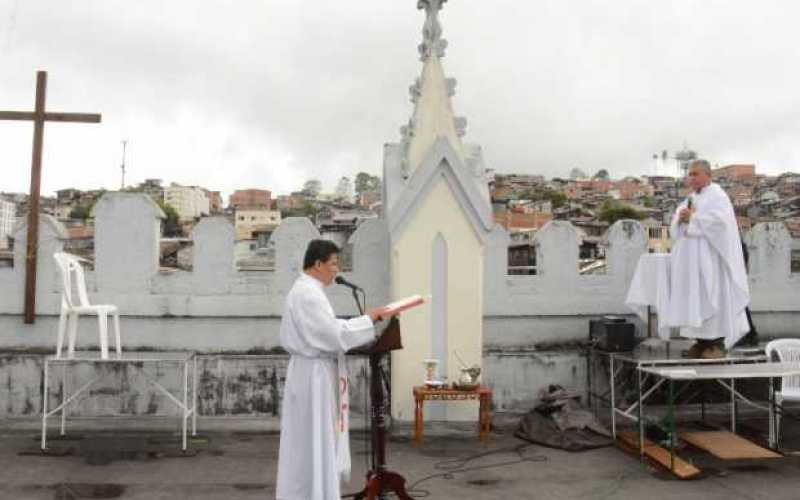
(380, 480)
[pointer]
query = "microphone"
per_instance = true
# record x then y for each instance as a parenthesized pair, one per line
(341, 281)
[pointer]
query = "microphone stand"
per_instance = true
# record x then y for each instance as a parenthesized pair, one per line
(358, 302)
(380, 480)
(360, 307)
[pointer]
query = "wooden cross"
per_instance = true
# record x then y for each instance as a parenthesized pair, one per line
(38, 117)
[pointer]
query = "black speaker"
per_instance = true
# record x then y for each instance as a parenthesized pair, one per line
(612, 334)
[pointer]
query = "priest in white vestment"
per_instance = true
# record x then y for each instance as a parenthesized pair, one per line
(314, 445)
(709, 289)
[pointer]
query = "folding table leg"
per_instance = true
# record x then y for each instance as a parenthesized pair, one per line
(63, 399)
(733, 405)
(185, 402)
(613, 400)
(672, 425)
(639, 409)
(194, 396)
(772, 427)
(45, 394)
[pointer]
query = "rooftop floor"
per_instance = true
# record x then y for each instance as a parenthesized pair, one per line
(145, 464)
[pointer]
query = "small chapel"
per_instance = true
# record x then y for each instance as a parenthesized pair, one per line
(438, 214)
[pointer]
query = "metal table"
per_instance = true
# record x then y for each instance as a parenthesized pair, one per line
(187, 403)
(650, 353)
(720, 373)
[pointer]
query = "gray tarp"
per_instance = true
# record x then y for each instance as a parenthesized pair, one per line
(560, 422)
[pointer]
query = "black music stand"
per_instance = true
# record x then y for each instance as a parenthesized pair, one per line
(380, 480)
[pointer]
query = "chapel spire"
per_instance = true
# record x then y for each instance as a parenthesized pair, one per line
(433, 116)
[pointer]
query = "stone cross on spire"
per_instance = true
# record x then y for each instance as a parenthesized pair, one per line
(432, 41)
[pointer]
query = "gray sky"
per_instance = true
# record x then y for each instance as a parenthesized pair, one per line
(267, 93)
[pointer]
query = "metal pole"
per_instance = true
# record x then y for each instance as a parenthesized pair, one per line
(703, 388)
(44, 406)
(589, 365)
(124, 145)
(773, 428)
(640, 413)
(733, 405)
(672, 426)
(63, 398)
(194, 404)
(185, 402)
(613, 399)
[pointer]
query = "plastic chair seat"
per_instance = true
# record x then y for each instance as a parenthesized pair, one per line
(95, 308)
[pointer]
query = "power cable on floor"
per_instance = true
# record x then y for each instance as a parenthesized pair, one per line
(454, 466)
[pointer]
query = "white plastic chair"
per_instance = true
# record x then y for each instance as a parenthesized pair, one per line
(786, 350)
(72, 273)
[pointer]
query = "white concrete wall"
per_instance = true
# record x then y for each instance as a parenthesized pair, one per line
(215, 309)
(7, 221)
(127, 274)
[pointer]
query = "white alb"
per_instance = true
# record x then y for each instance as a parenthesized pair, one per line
(315, 443)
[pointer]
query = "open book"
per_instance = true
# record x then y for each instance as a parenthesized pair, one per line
(403, 304)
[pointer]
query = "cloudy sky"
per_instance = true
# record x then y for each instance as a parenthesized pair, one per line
(269, 93)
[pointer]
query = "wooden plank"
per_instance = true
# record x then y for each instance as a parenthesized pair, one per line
(52, 116)
(17, 115)
(726, 445)
(31, 255)
(683, 469)
(72, 117)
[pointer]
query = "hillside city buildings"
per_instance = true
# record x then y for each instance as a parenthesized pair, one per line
(522, 204)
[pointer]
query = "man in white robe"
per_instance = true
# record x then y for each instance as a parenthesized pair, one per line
(709, 289)
(314, 445)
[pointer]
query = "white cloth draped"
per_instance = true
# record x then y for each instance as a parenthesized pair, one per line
(315, 444)
(650, 286)
(709, 289)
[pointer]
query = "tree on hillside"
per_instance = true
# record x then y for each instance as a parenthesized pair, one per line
(172, 226)
(577, 173)
(344, 190)
(556, 198)
(84, 212)
(612, 211)
(80, 212)
(312, 188)
(601, 174)
(366, 183)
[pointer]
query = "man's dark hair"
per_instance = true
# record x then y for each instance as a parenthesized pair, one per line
(319, 250)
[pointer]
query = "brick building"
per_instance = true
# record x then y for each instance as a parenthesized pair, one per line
(736, 172)
(250, 199)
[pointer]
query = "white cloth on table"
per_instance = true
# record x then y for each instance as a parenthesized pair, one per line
(650, 286)
(709, 289)
(315, 444)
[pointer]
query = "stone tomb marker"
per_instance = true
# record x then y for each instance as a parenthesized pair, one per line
(38, 117)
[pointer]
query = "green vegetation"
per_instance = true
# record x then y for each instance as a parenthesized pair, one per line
(84, 212)
(366, 183)
(612, 211)
(556, 198)
(172, 226)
